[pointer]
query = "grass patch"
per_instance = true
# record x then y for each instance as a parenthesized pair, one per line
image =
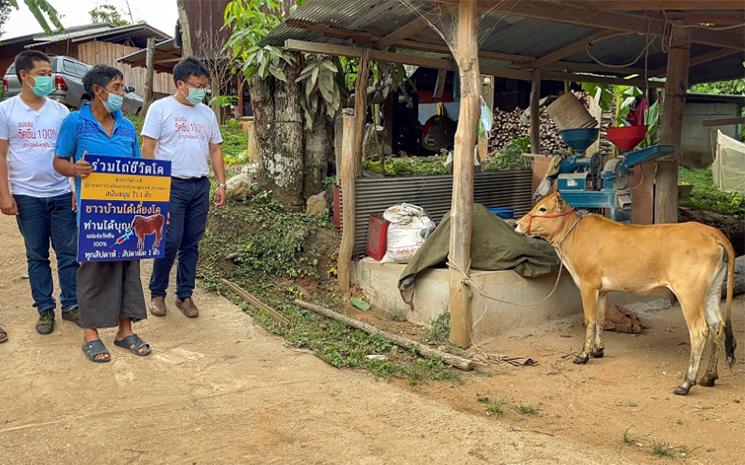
(439, 330)
(707, 196)
(527, 409)
(494, 406)
(662, 449)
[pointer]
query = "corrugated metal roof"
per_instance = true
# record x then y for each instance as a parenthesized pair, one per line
(96, 31)
(499, 32)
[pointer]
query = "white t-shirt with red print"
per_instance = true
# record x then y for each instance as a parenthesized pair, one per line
(31, 136)
(184, 133)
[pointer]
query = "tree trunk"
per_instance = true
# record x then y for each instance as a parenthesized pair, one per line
(279, 132)
(215, 90)
(317, 149)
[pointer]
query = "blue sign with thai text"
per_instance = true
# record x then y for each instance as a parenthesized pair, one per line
(123, 209)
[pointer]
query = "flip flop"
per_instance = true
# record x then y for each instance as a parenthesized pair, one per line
(3, 335)
(134, 343)
(95, 348)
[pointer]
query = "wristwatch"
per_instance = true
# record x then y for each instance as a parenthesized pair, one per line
(223, 185)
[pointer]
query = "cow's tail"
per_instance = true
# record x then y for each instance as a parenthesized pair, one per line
(729, 335)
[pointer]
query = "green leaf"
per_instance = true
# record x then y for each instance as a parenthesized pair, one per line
(278, 73)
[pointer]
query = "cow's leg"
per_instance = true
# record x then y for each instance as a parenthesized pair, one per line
(715, 321)
(692, 302)
(590, 308)
(598, 347)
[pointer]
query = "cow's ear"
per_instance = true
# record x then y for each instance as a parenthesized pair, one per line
(560, 204)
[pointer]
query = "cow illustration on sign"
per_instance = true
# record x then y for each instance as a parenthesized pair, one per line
(145, 226)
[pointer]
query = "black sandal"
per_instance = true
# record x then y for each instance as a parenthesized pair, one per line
(3, 335)
(95, 348)
(134, 343)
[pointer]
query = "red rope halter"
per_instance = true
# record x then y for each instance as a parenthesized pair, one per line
(553, 215)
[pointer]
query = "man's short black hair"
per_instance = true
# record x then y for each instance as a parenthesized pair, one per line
(26, 59)
(189, 67)
(101, 75)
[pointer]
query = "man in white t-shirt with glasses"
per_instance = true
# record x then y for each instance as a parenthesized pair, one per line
(33, 192)
(182, 129)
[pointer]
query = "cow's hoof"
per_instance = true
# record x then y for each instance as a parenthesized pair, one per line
(580, 359)
(598, 353)
(683, 389)
(707, 381)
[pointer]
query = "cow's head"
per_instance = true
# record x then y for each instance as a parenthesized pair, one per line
(137, 221)
(547, 219)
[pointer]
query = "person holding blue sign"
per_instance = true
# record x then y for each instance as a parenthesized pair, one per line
(109, 293)
(30, 189)
(183, 130)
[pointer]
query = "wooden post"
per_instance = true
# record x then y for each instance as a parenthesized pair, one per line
(461, 212)
(535, 116)
(349, 164)
(360, 109)
(183, 19)
(150, 70)
(676, 85)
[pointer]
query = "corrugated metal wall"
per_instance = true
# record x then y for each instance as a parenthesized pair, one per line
(434, 194)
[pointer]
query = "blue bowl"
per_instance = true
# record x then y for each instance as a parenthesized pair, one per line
(506, 213)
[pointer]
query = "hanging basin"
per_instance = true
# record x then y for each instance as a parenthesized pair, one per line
(580, 138)
(626, 137)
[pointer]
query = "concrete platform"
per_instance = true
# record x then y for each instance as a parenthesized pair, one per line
(379, 282)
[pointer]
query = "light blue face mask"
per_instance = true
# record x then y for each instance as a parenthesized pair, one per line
(196, 95)
(43, 85)
(113, 102)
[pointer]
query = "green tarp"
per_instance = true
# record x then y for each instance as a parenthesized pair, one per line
(495, 246)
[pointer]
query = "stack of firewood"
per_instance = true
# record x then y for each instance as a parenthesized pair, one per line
(510, 125)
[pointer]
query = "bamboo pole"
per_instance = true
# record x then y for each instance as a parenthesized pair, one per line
(535, 117)
(426, 351)
(461, 213)
(256, 303)
(666, 180)
(348, 175)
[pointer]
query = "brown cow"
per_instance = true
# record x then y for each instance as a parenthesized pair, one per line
(602, 256)
(145, 226)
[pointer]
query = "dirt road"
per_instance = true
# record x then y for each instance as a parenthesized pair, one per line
(219, 390)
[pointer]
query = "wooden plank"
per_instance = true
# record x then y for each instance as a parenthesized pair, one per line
(409, 29)
(256, 303)
(702, 58)
(347, 178)
(423, 350)
(723, 121)
(666, 179)
(439, 63)
(535, 120)
(568, 50)
(461, 213)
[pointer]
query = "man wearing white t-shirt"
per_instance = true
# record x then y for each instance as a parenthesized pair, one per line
(183, 130)
(32, 191)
